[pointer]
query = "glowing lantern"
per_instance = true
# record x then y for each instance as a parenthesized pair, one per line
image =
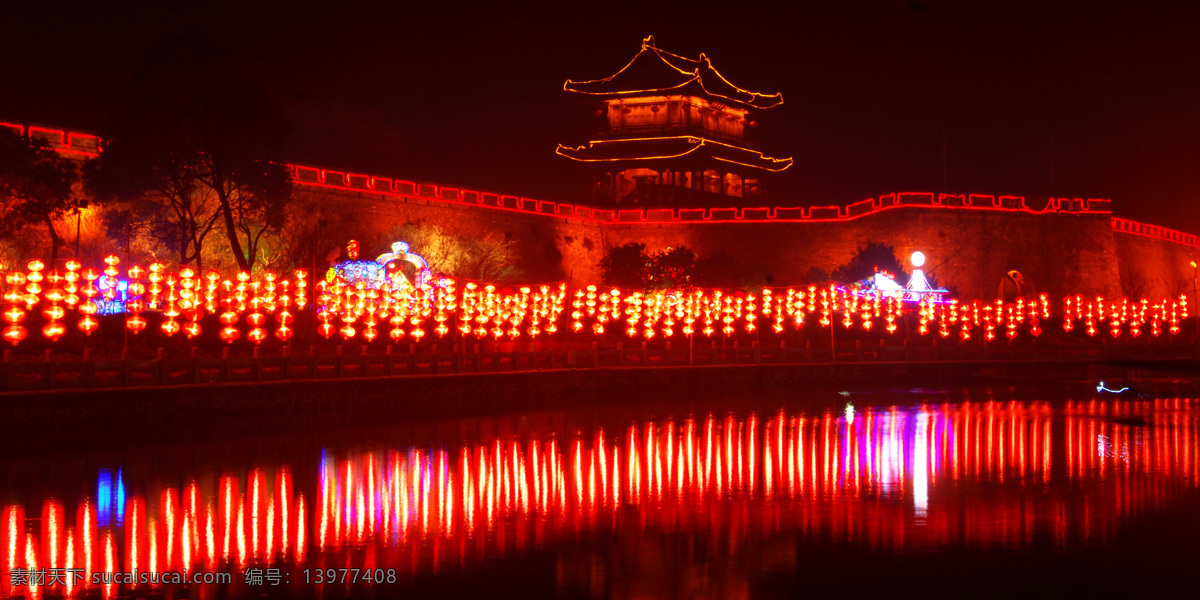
(229, 334)
(257, 335)
(155, 288)
(33, 280)
(14, 333)
(53, 330)
(171, 327)
(108, 284)
(192, 329)
(88, 324)
(14, 314)
(134, 305)
(135, 323)
(71, 286)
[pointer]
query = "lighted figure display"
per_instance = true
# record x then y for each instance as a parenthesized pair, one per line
(391, 262)
(116, 304)
(373, 273)
(917, 289)
(918, 286)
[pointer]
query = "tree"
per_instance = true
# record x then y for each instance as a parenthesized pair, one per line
(200, 143)
(150, 190)
(489, 258)
(719, 270)
(36, 185)
(626, 266)
(867, 260)
(672, 268)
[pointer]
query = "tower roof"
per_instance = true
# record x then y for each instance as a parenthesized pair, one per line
(673, 147)
(655, 71)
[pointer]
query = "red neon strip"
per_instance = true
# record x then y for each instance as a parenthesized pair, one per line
(515, 204)
(1155, 232)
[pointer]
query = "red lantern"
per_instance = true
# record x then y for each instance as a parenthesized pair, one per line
(229, 334)
(192, 329)
(14, 333)
(53, 330)
(136, 323)
(257, 335)
(88, 324)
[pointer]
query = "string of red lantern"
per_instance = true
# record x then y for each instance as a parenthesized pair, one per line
(246, 304)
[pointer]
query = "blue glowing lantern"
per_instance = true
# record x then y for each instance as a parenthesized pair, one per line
(110, 498)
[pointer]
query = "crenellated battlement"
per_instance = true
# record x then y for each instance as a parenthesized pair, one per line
(314, 176)
(76, 144)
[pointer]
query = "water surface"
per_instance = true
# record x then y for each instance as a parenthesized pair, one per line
(985, 491)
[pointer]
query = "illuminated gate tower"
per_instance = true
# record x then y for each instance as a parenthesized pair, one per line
(678, 133)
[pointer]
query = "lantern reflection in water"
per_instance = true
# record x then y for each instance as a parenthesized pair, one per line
(976, 474)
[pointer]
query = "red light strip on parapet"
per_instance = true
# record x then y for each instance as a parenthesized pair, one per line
(61, 140)
(589, 214)
(1155, 232)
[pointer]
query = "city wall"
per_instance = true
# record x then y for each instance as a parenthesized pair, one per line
(972, 241)
(1061, 245)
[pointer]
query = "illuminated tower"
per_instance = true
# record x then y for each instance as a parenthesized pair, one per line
(677, 133)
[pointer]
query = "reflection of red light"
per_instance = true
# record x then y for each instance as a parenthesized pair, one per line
(509, 492)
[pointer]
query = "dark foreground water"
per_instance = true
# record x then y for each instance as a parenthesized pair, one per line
(1035, 491)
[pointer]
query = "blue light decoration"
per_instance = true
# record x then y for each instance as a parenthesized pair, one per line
(116, 305)
(353, 271)
(110, 498)
(373, 273)
(1100, 388)
(917, 289)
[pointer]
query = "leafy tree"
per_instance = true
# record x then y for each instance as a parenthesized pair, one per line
(489, 258)
(720, 270)
(671, 268)
(626, 266)
(195, 147)
(36, 185)
(152, 191)
(867, 260)
(817, 275)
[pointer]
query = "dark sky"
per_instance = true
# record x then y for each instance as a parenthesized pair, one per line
(1030, 98)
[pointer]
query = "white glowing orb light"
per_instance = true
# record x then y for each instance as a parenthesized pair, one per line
(918, 259)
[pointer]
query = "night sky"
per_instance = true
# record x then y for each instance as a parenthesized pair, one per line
(1030, 98)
